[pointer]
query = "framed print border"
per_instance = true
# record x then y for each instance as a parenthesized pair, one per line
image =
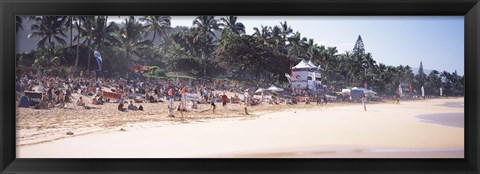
(470, 9)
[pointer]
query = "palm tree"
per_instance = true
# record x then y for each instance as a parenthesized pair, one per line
(103, 34)
(69, 25)
(296, 45)
(86, 29)
(130, 37)
(51, 31)
(230, 24)
(157, 24)
(285, 31)
(77, 38)
(205, 26)
(329, 55)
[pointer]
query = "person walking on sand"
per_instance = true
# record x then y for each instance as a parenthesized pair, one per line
(398, 97)
(364, 101)
(325, 100)
(213, 106)
(318, 99)
(246, 98)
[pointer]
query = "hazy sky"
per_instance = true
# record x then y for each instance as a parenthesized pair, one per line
(437, 41)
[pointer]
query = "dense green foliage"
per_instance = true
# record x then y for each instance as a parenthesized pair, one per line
(216, 48)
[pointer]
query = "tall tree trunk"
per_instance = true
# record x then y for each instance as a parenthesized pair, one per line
(205, 57)
(153, 39)
(71, 31)
(89, 47)
(78, 43)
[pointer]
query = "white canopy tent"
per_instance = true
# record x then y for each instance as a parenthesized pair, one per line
(304, 65)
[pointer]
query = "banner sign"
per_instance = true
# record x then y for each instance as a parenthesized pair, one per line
(192, 96)
(33, 97)
(111, 95)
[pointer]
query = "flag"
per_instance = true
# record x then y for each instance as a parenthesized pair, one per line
(99, 60)
(170, 92)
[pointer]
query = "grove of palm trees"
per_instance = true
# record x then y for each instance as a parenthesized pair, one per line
(213, 47)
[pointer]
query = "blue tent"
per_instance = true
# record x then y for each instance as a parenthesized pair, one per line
(24, 102)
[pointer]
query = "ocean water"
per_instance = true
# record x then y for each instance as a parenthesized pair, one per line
(454, 104)
(444, 119)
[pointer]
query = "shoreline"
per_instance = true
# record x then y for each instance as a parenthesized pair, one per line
(309, 132)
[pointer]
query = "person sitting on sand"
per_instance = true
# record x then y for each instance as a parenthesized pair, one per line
(95, 101)
(43, 103)
(80, 102)
(132, 107)
(120, 106)
(193, 105)
(100, 100)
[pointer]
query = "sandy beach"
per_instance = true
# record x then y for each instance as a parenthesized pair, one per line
(341, 130)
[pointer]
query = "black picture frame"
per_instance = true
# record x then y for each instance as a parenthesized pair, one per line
(470, 9)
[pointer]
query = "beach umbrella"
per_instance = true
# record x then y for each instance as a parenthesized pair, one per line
(275, 89)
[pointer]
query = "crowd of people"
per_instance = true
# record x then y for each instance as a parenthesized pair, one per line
(58, 91)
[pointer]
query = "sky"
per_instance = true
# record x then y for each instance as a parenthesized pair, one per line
(437, 41)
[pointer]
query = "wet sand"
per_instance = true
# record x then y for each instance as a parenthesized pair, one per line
(384, 131)
(445, 119)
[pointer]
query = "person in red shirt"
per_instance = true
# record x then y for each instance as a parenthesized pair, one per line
(224, 99)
